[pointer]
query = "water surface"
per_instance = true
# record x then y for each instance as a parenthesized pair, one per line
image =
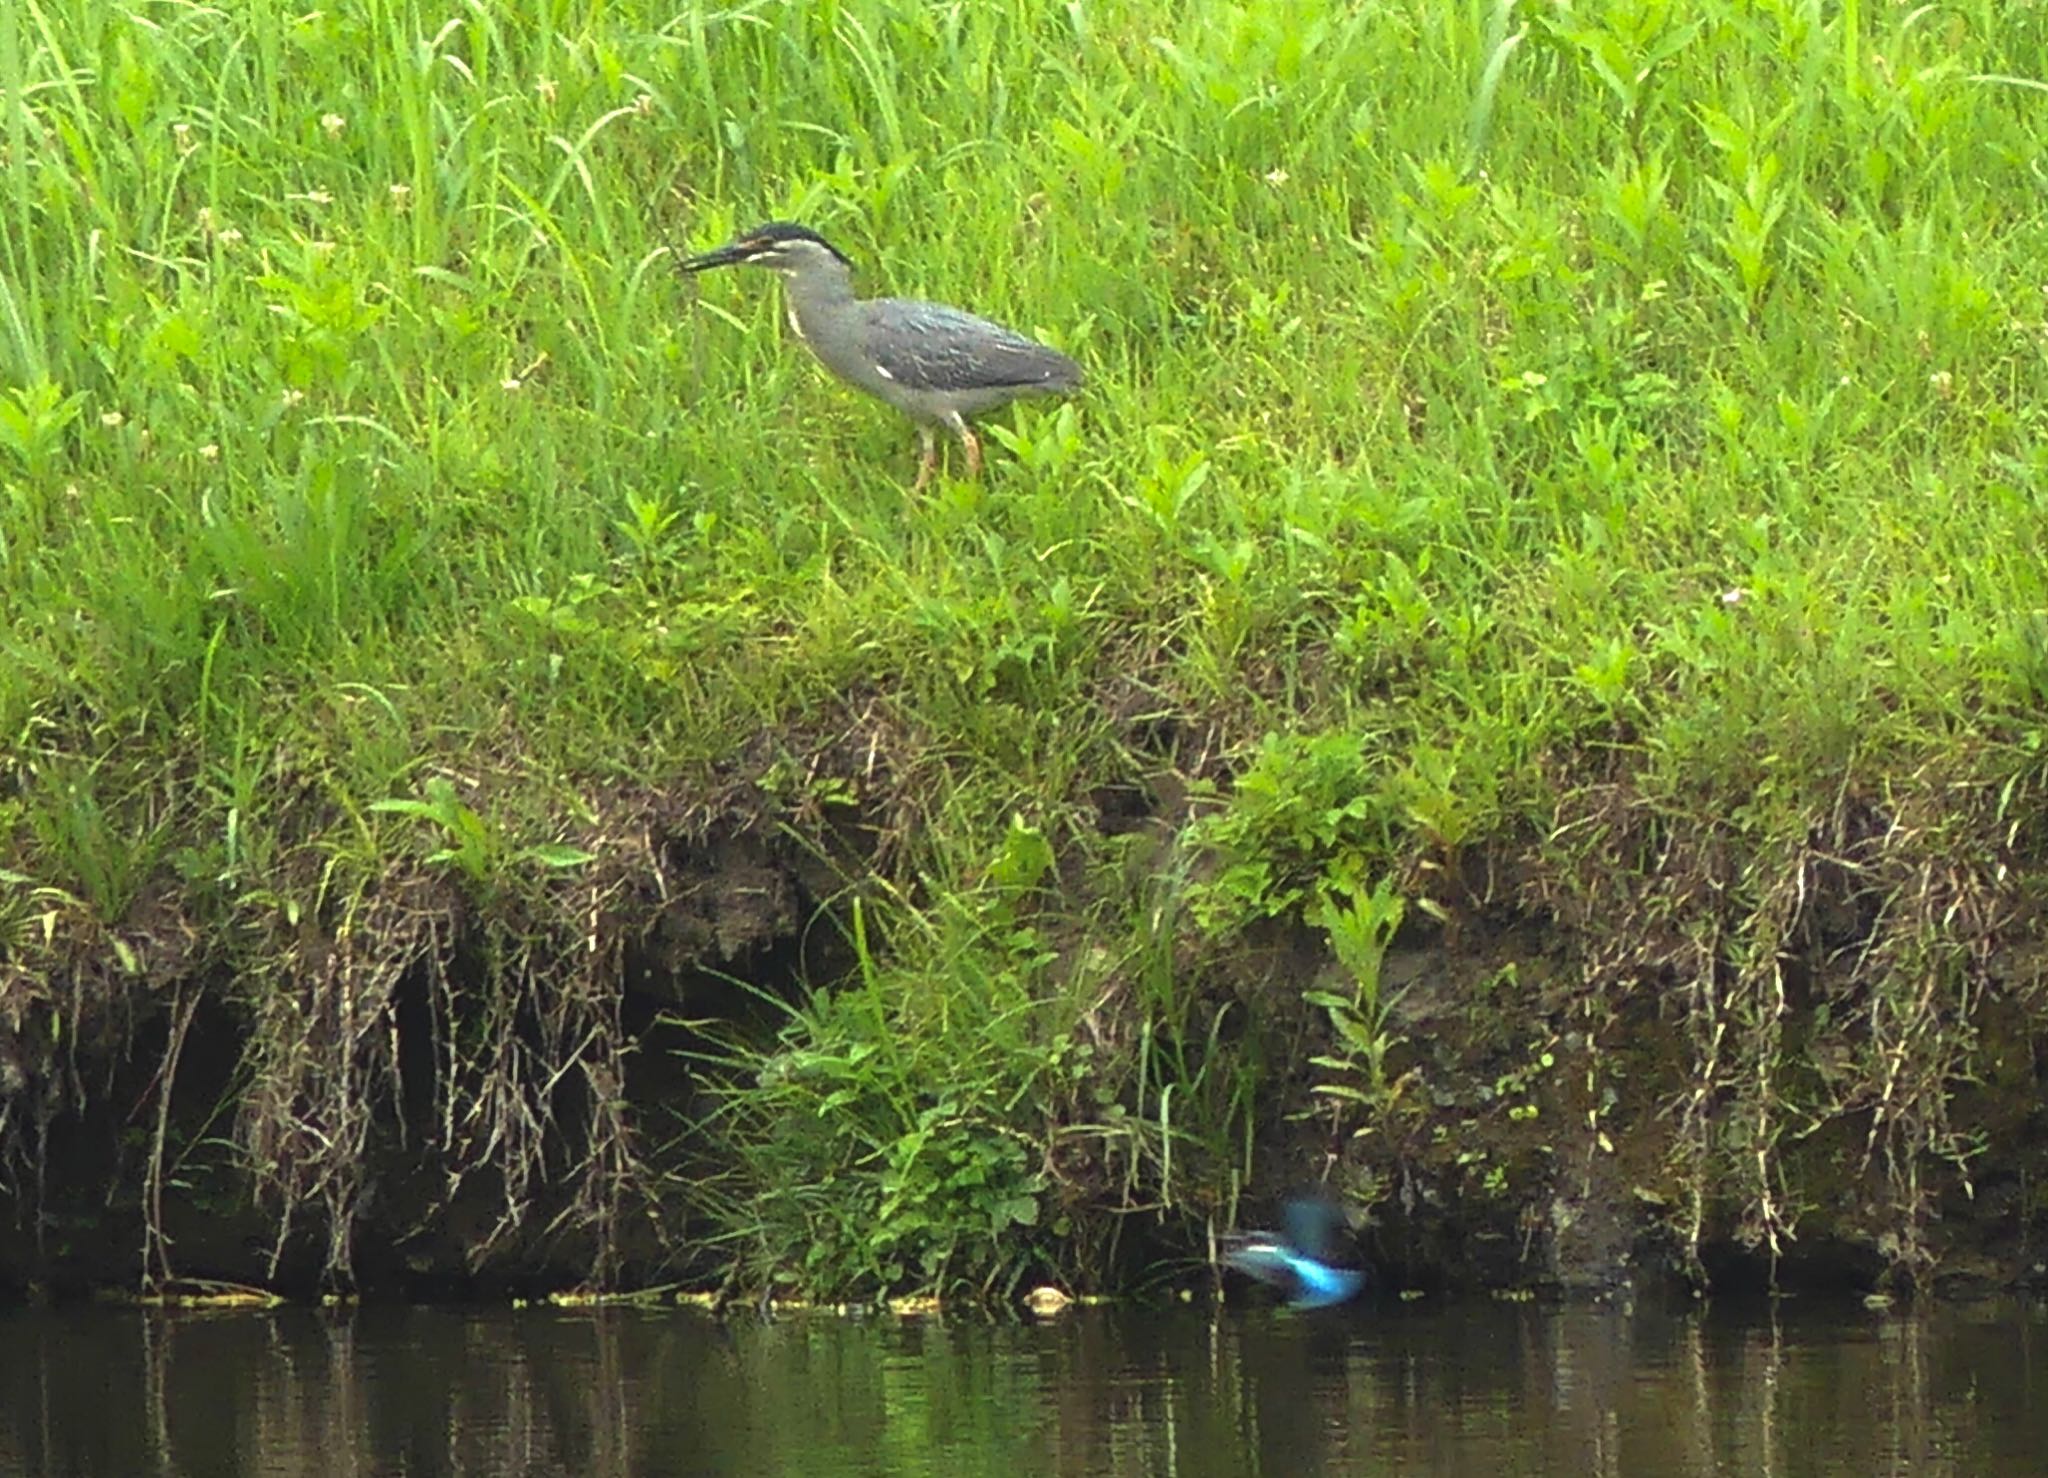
(1460, 1389)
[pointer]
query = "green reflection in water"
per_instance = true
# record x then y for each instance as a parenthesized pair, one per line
(1457, 1390)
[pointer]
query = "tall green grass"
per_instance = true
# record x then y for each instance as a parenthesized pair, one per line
(1487, 401)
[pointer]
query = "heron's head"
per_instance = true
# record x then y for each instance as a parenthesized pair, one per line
(782, 245)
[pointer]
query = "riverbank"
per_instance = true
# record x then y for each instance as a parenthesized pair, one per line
(1519, 687)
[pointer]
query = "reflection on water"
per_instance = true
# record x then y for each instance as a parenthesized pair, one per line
(1415, 1389)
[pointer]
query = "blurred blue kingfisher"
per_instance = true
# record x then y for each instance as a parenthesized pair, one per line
(1311, 1259)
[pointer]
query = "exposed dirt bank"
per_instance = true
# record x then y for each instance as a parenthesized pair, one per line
(1593, 1076)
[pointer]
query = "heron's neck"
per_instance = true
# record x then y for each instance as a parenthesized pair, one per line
(815, 292)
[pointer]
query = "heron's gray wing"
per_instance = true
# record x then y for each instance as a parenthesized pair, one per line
(928, 346)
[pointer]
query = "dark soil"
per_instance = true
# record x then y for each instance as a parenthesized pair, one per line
(1551, 1123)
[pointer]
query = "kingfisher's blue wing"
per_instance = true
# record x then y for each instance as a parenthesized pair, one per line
(1323, 1285)
(1315, 1225)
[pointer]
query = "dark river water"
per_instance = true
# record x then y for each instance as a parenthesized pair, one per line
(1466, 1388)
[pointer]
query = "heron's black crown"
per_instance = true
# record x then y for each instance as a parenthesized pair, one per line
(773, 233)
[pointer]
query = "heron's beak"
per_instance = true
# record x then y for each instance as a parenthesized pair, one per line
(732, 252)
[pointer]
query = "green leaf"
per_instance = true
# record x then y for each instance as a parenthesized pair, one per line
(558, 855)
(1025, 858)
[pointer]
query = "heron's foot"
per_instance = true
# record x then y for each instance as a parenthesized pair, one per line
(926, 464)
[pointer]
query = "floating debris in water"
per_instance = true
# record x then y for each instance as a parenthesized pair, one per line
(1046, 1301)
